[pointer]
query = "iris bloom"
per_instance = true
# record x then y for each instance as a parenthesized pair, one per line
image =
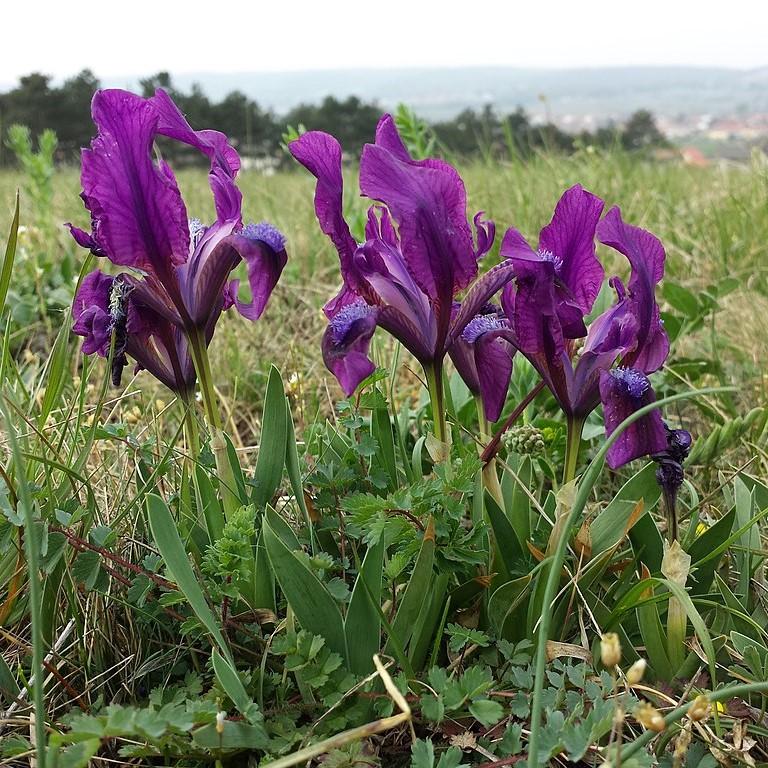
(547, 305)
(418, 255)
(176, 271)
(105, 306)
(483, 356)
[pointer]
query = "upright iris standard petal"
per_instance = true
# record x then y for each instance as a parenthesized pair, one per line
(570, 239)
(564, 266)
(646, 256)
(320, 154)
(138, 212)
(346, 342)
(624, 391)
(214, 144)
(428, 201)
(485, 234)
(417, 256)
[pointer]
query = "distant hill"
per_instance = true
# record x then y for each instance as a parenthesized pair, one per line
(441, 93)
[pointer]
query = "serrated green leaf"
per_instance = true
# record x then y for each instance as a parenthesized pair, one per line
(486, 711)
(422, 754)
(86, 568)
(432, 707)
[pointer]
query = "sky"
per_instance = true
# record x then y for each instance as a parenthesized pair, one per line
(61, 38)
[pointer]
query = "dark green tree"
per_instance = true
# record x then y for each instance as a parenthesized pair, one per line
(641, 132)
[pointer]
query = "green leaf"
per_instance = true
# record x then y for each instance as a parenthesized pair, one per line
(274, 436)
(86, 568)
(698, 625)
(236, 735)
(77, 755)
(57, 363)
(237, 470)
(654, 639)
(293, 469)
(607, 529)
(211, 506)
(577, 738)
(422, 754)
(486, 711)
(432, 707)
(509, 550)
(703, 575)
(683, 300)
(8, 258)
(517, 503)
(647, 543)
(381, 428)
(362, 626)
(313, 605)
(233, 686)
(177, 564)
(417, 590)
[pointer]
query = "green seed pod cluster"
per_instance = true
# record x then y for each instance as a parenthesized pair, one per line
(525, 440)
(707, 449)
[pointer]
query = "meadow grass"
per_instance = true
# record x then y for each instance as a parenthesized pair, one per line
(713, 222)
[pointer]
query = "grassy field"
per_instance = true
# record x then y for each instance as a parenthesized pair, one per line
(115, 646)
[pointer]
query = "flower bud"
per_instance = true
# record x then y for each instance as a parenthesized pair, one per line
(700, 708)
(610, 649)
(636, 671)
(220, 718)
(649, 717)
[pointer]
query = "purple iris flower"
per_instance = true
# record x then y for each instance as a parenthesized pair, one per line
(418, 253)
(107, 306)
(547, 305)
(177, 269)
(483, 356)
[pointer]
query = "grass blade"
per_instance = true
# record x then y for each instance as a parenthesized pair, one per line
(169, 544)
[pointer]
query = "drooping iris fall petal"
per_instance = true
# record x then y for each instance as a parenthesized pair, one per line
(483, 356)
(624, 391)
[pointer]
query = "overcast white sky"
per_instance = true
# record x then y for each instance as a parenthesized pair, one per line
(137, 37)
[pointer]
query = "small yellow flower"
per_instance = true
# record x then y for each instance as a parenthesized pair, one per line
(649, 717)
(701, 528)
(610, 650)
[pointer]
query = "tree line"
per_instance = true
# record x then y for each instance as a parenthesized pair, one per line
(257, 132)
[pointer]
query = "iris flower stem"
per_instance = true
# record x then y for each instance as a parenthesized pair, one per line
(199, 350)
(572, 446)
(490, 476)
(553, 574)
(190, 429)
(434, 374)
